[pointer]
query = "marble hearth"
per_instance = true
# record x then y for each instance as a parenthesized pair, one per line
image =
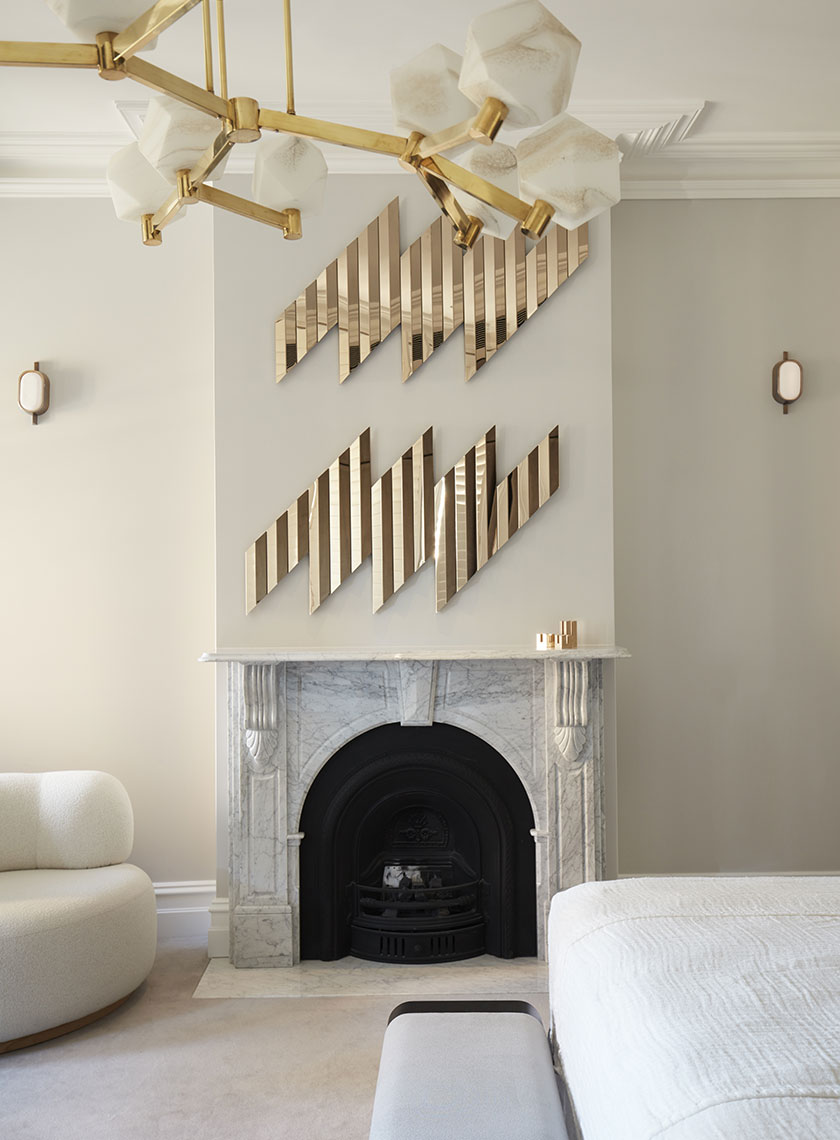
(289, 711)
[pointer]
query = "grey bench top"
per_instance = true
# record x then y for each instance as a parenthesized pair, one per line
(466, 1070)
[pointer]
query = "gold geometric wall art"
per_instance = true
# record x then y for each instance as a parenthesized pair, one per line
(475, 516)
(504, 285)
(402, 520)
(339, 520)
(432, 294)
(402, 509)
(359, 292)
(432, 289)
(330, 522)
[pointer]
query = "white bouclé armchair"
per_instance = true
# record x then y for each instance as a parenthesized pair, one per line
(78, 926)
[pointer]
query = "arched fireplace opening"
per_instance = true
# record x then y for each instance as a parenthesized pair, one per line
(417, 848)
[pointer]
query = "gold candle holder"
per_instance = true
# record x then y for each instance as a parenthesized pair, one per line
(546, 641)
(568, 635)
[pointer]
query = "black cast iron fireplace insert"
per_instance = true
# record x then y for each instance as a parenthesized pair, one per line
(417, 848)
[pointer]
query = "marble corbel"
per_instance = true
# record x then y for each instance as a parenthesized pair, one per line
(262, 919)
(571, 708)
(261, 734)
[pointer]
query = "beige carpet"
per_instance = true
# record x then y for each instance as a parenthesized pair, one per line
(169, 1067)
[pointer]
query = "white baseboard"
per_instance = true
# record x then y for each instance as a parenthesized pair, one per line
(728, 874)
(218, 936)
(183, 909)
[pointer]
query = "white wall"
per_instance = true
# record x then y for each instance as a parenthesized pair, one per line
(106, 558)
(273, 440)
(727, 536)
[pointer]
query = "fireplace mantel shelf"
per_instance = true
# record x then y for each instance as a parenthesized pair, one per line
(421, 653)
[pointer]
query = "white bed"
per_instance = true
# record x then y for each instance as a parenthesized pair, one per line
(699, 1009)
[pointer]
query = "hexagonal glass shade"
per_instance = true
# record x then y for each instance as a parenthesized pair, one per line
(524, 56)
(136, 187)
(496, 164)
(175, 136)
(424, 92)
(573, 167)
(289, 172)
(87, 18)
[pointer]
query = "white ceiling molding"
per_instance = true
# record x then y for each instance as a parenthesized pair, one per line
(662, 189)
(663, 156)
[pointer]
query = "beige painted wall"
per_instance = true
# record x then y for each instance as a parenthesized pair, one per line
(273, 440)
(727, 536)
(106, 558)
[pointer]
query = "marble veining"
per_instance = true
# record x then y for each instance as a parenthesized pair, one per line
(352, 977)
(418, 653)
(542, 711)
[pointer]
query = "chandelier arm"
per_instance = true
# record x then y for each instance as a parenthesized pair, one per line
(281, 219)
(167, 83)
(218, 150)
(482, 127)
(168, 211)
(287, 44)
(208, 45)
(444, 197)
(329, 132)
(20, 54)
(220, 34)
(146, 27)
(478, 187)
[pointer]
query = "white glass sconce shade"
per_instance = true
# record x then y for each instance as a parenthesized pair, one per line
(34, 392)
(87, 18)
(524, 56)
(424, 92)
(573, 167)
(289, 173)
(136, 187)
(787, 381)
(175, 136)
(496, 164)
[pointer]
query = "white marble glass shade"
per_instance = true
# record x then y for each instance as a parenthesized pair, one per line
(136, 187)
(496, 164)
(289, 172)
(573, 167)
(424, 92)
(87, 18)
(175, 136)
(790, 380)
(524, 56)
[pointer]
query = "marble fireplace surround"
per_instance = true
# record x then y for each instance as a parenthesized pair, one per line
(289, 711)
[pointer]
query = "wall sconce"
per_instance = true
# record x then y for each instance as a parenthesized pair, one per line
(787, 381)
(34, 392)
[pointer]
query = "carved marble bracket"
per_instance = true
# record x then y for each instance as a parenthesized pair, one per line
(571, 708)
(262, 734)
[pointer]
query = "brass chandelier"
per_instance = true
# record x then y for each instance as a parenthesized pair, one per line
(517, 70)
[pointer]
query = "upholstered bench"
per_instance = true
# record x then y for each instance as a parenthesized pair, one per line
(78, 926)
(466, 1070)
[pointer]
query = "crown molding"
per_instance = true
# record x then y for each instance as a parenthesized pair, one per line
(663, 189)
(663, 155)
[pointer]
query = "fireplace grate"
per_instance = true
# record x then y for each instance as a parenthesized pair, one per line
(417, 924)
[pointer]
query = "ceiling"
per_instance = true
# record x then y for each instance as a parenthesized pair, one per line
(725, 89)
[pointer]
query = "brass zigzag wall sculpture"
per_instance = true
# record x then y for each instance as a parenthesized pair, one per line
(402, 520)
(431, 290)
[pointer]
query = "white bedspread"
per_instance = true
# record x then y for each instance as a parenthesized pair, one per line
(699, 1009)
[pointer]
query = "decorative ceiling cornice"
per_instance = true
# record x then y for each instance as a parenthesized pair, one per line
(664, 155)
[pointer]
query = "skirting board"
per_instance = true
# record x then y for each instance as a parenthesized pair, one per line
(183, 909)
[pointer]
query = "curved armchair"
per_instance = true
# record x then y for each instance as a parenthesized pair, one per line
(78, 926)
